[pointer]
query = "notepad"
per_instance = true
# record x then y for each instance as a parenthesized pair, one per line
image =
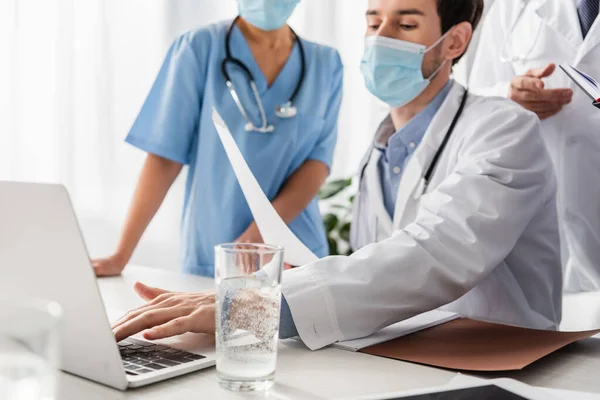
(588, 84)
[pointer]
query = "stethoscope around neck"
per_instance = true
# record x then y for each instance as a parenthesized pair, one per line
(380, 212)
(440, 151)
(287, 110)
(438, 155)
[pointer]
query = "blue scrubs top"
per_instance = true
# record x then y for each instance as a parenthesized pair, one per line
(176, 123)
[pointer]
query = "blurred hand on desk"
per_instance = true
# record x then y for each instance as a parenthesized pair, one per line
(110, 266)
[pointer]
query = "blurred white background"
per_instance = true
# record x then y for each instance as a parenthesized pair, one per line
(74, 74)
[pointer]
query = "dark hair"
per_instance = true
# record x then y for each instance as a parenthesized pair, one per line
(453, 12)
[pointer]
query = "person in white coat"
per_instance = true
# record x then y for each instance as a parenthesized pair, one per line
(522, 44)
(474, 225)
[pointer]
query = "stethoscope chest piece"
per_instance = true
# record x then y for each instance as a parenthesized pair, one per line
(287, 110)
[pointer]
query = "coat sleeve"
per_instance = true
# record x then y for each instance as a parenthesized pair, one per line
(463, 230)
(491, 76)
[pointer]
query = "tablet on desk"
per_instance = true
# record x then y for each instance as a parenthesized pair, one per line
(464, 387)
(490, 392)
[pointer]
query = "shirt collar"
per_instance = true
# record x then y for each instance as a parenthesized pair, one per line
(423, 119)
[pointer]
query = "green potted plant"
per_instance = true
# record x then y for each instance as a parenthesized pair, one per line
(338, 218)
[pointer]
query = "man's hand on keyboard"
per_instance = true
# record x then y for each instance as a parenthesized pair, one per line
(167, 314)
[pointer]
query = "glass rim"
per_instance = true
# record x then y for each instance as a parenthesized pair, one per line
(255, 248)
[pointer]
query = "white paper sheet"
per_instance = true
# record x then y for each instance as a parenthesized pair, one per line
(272, 228)
(412, 325)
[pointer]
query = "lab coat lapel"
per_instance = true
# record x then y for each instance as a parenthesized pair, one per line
(561, 16)
(537, 5)
(383, 221)
(411, 184)
(591, 42)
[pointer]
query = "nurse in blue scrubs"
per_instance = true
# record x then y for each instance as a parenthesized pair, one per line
(280, 96)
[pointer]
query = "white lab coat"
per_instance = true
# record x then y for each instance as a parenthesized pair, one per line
(483, 238)
(549, 32)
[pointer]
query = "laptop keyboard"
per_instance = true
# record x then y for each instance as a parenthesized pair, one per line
(141, 357)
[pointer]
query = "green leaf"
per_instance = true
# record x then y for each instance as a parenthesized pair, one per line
(345, 232)
(334, 188)
(351, 199)
(333, 247)
(331, 222)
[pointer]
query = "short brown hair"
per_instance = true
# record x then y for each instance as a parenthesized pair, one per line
(453, 12)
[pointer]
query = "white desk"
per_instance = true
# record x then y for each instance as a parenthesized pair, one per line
(329, 373)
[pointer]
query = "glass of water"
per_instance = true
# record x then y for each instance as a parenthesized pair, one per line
(248, 280)
(29, 353)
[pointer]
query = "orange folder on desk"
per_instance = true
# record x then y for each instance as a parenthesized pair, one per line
(470, 345)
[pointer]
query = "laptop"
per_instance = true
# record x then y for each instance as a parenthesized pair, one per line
(43, 255)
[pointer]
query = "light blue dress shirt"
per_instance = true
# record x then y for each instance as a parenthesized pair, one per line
(176, 123)
(397, 150)
(287, 327)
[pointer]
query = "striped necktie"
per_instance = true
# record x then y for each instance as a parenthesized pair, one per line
(588, 11)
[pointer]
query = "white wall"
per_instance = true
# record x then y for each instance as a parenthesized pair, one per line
(73, 75)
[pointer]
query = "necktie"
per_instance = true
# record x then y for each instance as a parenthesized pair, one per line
(588, 11)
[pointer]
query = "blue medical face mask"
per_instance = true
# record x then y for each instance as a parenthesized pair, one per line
(267, 15)
(393, 69)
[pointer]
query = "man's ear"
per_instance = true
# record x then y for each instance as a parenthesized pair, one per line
(458, 40)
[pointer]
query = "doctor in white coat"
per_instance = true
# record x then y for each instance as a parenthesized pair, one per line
(521, 46)
(479, 236)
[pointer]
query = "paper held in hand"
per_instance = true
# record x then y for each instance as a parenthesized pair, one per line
(272, 228)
